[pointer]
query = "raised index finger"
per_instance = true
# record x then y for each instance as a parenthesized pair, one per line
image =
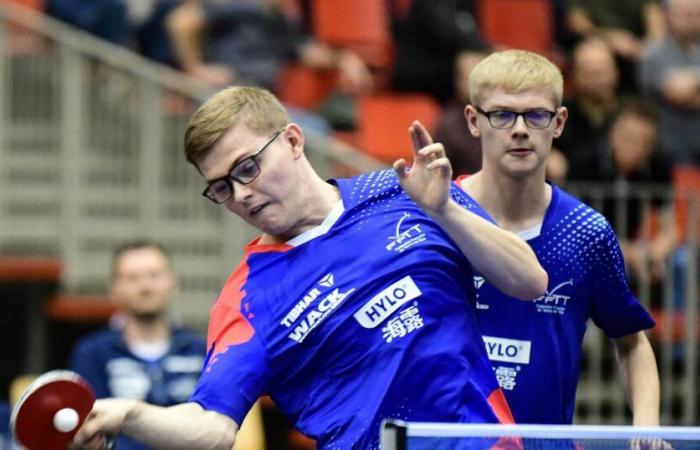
(419, 136)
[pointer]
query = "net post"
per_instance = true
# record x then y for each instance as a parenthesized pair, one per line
(393, 435)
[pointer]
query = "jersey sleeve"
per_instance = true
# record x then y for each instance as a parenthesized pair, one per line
(615, 309)
(235, 376)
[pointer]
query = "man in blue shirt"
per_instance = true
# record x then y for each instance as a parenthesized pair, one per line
(535, 348)
(142, 354)
(350, 308)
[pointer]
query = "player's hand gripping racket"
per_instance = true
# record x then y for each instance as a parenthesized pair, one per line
(51, 410)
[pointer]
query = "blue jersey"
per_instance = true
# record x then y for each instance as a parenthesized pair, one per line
(366, 317)
(535, 347)
(113, 370)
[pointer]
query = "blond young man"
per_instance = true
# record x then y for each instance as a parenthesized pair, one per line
(535, 347)
(353, 296)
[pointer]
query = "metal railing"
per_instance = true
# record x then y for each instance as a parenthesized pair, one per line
(672, 295)
(90, 156)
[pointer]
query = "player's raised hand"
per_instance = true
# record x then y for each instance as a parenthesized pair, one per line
(428, 180)
(106, 419)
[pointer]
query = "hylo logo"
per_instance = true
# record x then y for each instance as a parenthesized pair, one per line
(508, 350)
(386, 302)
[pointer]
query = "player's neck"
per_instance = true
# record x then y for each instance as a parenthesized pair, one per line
(515, 204)
(316, 201)
(136, 330)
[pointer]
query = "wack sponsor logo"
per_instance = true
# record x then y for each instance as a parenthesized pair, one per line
(314, 317)
(508, 350)
(382, 305)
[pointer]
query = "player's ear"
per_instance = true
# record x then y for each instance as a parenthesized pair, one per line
(294, 136)
(471, 116)
(560, 120)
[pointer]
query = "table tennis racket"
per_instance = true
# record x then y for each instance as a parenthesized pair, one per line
(51, 410)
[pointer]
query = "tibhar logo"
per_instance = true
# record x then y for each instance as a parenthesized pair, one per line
(300, 307)
(508, 350)
(386, 302)
(478, 282)
(403, 240)
(317, 314)
(327, 281)
(553, 302)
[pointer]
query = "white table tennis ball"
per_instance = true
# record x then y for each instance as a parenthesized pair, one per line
(65, 420)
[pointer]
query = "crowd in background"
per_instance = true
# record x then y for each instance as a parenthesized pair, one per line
(632, 73)
(612, 53)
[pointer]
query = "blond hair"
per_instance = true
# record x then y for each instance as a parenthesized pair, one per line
(513, 71)
(253, 107)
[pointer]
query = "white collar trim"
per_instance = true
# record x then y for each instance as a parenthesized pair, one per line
(530, 233)
(321, 229)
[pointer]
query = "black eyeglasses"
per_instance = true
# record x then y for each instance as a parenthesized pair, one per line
(534, 118)
(244, 172)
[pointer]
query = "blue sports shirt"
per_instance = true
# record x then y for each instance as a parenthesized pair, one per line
(113, 370)
(366, 317)
(535, 347)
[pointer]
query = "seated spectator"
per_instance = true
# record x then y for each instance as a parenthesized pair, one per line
(592, 105)
(670, 77)
(143, 355)
(428, 40)
(247, 42)
(452, 130)
(138, 24)
(630, 156)
(626, 26)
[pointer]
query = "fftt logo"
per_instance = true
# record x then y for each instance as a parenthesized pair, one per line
(553, 298)
(386, 302)
(403, 240)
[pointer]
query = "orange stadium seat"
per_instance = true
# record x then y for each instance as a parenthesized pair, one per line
(383, 122)
(305, 87)
(21, 40)
(524, 24)
(360, 25)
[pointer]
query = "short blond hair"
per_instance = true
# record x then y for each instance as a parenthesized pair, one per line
(513, 71)
(254, 107)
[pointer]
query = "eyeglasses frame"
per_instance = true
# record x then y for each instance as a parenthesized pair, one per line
(229, 178)
(552, 115)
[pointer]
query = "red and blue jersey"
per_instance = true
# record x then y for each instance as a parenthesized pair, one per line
(535, 347)
(367, 317)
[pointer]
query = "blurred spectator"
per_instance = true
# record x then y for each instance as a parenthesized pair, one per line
(5, 433)
(594, 102)
(142, 355)
(135, 23)
(670, 76)
(628, 157)
(247, 42)
(452, 129)
(626, 25)
(428, 39)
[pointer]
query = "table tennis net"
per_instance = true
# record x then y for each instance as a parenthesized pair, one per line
(399, 435)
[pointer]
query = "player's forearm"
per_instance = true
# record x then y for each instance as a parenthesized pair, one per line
(640, 378)
(185, 427)
(500, 256)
